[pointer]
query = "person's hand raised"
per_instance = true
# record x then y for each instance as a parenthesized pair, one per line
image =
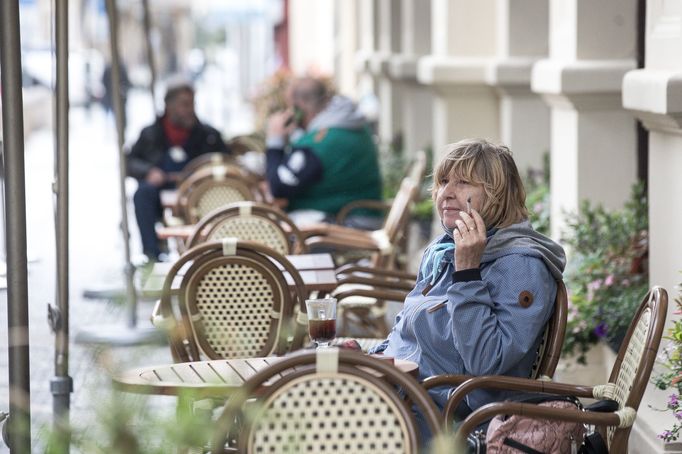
(279, 125)
(470, 239)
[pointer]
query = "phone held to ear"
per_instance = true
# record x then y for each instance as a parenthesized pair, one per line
(296, 118)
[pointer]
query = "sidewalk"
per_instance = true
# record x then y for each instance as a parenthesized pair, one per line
(96, 259)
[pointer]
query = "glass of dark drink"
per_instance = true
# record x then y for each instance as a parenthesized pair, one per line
(321, 320)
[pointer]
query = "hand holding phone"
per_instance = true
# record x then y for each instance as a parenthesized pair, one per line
(296, 117)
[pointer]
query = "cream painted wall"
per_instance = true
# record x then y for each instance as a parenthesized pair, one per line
(311, 36)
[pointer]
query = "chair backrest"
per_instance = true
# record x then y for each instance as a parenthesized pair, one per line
(233, 301)
(395, 224)
(549, 350)
(206, 160)
(251, 221)
(212, 187)
(632, 369)
(327, 401)
(245, 143)
(417, 167)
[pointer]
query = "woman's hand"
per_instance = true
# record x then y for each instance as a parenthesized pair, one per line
(470, 239)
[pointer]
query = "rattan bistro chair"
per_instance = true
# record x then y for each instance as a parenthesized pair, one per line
(212, 187)
(206, 160)
(251, 221)
(233, 302)
(326, 401)
(629, 377)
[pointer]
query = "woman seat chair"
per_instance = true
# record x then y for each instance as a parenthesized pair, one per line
(233, 301)
(250, 221)
(327, 401)
(626, 385)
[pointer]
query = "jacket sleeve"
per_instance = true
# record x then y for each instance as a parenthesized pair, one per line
(291, 172)
(214, 141)
(492, 330)
(138, 163)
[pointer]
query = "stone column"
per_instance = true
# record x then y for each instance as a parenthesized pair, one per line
(346, 47)
(463, 44)
(368, 40)
(311, 36)
(389, 90)
(416, 105)
(524, 118)
(654, 95)
(593, 140)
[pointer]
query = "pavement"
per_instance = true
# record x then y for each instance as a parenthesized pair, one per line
(96, 261)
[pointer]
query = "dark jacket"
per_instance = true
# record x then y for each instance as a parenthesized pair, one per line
(150, 147)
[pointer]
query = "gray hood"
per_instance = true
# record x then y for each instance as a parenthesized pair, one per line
(341, 112)
(522, 239)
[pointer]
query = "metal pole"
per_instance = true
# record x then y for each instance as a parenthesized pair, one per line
(150, 51)
(17, 289)
(112, 13)
(61, 385)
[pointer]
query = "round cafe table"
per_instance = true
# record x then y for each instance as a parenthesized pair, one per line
(215, 378)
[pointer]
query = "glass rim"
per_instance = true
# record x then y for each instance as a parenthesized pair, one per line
(319, 300)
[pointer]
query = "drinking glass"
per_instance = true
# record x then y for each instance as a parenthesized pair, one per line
(321, 320)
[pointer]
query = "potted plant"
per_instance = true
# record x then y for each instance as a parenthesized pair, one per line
(607, 274)
(671, 359)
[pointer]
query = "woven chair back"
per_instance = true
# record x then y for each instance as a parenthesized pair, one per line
(234, 301)
(212, 187)
(635, 360)
(250, 221)
(206, 160)
(329, 401)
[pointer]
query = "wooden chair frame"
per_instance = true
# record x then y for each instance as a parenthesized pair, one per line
(203, 180)
(627, 382)
(327, 364)
(184, 322)
(292, 241)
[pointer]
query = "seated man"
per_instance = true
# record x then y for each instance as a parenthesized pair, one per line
(333, 160)
(162, 150)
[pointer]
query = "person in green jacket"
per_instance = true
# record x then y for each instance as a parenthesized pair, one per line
(321, 155)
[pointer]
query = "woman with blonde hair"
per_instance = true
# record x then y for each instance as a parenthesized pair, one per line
(486, 287)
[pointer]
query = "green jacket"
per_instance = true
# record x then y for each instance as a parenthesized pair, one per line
(350, 169)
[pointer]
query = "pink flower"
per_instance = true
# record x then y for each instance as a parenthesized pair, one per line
(609, 280)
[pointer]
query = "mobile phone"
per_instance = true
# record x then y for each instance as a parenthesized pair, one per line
(295, 118)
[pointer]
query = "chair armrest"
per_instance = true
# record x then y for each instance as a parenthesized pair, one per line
(352, 269)
(326, 229)
(514, 384)
(379, 205)
(376, 282)
(380, 294)
(435, 381)
(159, 321)
(534, 411)
(176, 231)
(343, 243)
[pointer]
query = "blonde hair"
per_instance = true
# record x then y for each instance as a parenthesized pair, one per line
(492, 166)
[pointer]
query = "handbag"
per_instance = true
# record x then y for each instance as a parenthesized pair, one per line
(514, 434)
